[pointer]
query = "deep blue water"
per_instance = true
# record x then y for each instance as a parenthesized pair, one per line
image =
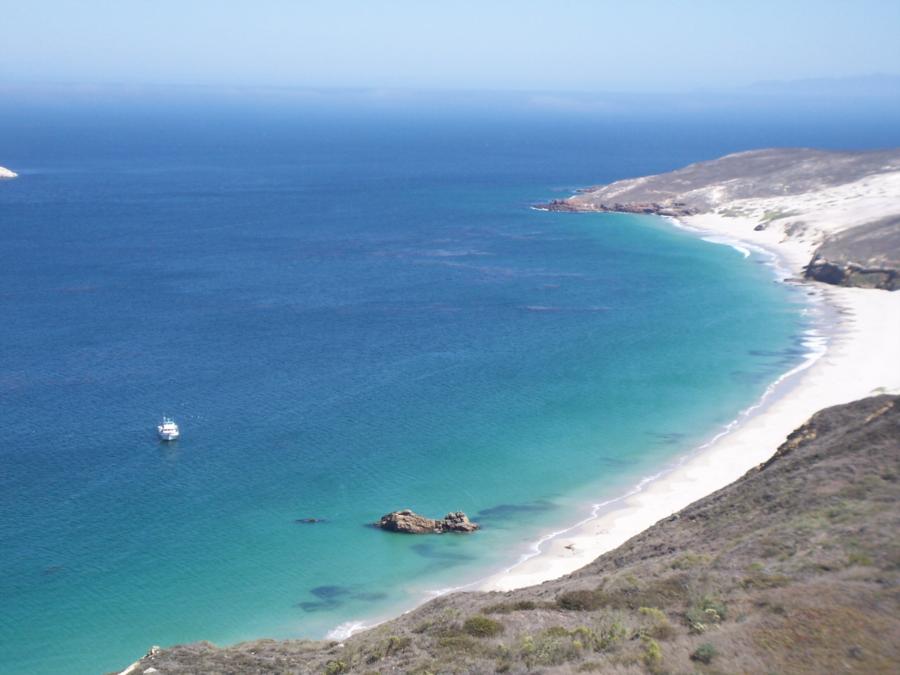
(347, 314)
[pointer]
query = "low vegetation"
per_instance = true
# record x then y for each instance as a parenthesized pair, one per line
(482, 627)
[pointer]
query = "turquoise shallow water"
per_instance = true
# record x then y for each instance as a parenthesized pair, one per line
(371, 318)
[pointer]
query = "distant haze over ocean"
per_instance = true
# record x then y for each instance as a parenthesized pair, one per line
(879, 91)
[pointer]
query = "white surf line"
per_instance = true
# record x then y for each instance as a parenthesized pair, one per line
(817, 346)
(816, 343)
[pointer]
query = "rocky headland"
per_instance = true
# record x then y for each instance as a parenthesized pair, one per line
(409, 522)
(793, 568)
(810, 199)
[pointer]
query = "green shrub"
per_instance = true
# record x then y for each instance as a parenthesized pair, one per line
(418, 670)
(689, 561)
(705, 613)
(652, 656)
(585, 637)
(704, 653)
(761, 580)
(335, 668)
(859, 558)
(396, 644)
(527, 646)
(580, 601)
(552, 647)
(507, 607)
(457, 643)
(557, 631)
(482, 627)
(610, 637)
(660, 628)
(652, 613)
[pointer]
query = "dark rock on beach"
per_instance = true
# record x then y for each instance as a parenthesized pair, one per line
(866, 256)
(409, 522)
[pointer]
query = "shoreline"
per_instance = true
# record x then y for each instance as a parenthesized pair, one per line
(548, 556)
(841, 370)
(825, 376)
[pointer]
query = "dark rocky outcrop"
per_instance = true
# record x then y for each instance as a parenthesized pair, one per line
(670, 209)
(409, 522)
(867, 256)
(794, 568)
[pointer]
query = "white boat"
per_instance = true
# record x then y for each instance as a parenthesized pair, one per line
(168, 430)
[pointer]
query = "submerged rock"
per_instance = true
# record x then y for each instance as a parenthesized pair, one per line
(409, 522)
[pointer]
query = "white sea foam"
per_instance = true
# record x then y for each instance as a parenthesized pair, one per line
(737, 246)
(346, 629)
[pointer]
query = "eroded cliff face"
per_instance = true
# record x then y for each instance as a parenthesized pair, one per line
(867, 256)
(791, 569)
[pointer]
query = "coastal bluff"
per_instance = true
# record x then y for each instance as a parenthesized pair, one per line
(789, 569)
(867, 256)
(840, 211)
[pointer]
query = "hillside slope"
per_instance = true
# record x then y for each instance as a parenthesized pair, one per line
(794, 568)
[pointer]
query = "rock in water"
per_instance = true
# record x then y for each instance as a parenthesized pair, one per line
(409, 522)
(457, 521)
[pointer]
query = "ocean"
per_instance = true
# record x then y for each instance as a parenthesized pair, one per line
(348, 311)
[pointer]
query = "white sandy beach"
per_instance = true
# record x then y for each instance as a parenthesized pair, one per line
(861, 357)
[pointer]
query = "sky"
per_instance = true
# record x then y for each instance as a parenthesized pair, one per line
(498, 45)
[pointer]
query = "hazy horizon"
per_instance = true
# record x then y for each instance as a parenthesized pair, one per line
(502, 46)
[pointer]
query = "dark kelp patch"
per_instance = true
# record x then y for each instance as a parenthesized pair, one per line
(504, 511)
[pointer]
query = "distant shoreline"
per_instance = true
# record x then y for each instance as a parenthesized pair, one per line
(855, 357)
(837, 368)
